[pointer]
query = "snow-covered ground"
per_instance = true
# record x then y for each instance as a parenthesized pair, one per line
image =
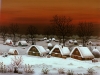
(52, 63)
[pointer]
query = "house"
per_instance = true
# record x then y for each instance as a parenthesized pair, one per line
(70, 41)
(81, 53)
(59, 51)
(21, 43)
(8, 42)
(75, 42)
(53, 39)
(50, 46)
(96, 53)
(36, 50)
(13, 52)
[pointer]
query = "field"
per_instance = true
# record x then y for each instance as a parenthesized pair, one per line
(52, 63)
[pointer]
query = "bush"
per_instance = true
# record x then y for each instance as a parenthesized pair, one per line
(61, 71)
(28, 69)
(70, 72)
(3, 68)
(90, 70)
(45, 70)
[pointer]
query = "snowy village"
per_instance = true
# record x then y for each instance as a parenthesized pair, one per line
(49, 37)
(49, 56)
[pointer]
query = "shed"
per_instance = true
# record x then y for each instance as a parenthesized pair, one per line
(8, 42)
(13, 52)
(22, 43)
(70, 41)
(96, 53)
(36, 50)
(81, 53)
(60, 51)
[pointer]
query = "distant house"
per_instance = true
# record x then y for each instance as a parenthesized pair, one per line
(8, 42)
(45, 38)
(50, 46)
(89, 43)
(75, 42)
(53, 39)
(13, 52)
(96, 53)
(70, 41)
(21, 43)
(36, 50)
(59, 51)
(81, 53)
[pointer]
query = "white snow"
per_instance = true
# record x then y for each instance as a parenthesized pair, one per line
(65, 51)
(54, 63)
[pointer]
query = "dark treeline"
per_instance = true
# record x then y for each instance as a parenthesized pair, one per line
(61, 26)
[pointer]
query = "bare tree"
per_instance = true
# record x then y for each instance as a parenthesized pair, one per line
(32, 30)
(49, 31)
(14, 30)
(63, 27)
(85, 30)
(4, 31)
(20, 36)
(16, 62)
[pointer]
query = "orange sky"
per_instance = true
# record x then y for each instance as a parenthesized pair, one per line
(41, 11)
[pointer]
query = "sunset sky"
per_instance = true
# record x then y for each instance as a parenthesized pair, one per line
(40, 12)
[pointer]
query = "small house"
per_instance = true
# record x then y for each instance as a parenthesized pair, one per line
(8, 42)
(70, 41)
(96, 53)
(53, 39)
(81, 53)
(21, 43)
(50, 46)
(75, 42)
(59, 51)
(13, 52)
(36, 50)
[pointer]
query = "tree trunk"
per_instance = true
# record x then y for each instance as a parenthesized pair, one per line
(14, 40)
(15, 70)
(4, 39)
(63, 40)
(32, 42)
(84, 42)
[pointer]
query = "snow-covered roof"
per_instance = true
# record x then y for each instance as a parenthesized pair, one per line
(71, 41)
(96, 50)
(22, 43)
(75, 41)
(53, 39)
(39, 48)
(11, 51)
(49, 44)
(45, 38)
(90, 42)
(8, 41)
(84, 51)
(63, 51)
(97, 47)
(47, 50)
